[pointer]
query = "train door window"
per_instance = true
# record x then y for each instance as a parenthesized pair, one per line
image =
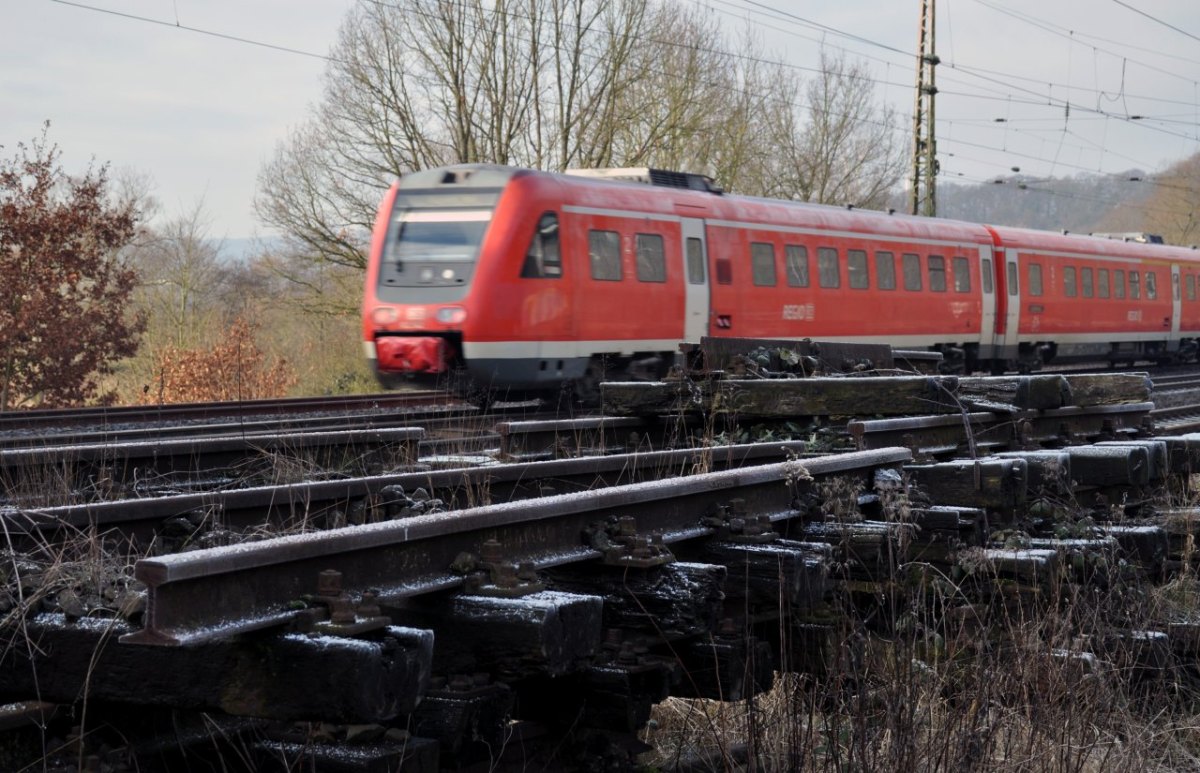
(651, 260)
(1011, 274)
(910, 264)
(796, 258)
(542, 259)
(1070, 284)
(828, 274)
(1086, 282)
(885, 270)
(1118, 283)
(937, 273)
(762, 263)
(1190, 286)
(1035, 278)
(604, 250)
(986, 268)
(1151, 285)
(856, 265)
(1175, 286)
(1102, 283)
(962, 275)
(1135, 286)
(695, 261)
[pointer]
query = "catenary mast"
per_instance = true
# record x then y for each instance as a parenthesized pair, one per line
(923, 185)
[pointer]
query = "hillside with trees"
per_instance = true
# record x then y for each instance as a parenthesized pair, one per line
(1081, 203)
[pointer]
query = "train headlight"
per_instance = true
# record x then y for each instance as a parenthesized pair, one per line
(451, 315)
(384, 315)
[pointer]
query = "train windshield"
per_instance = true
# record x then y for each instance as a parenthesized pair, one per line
(439, 236)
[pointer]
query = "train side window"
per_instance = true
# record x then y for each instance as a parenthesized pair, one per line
(542, 259)
(985, 267)
(1190, 286)
(1035, 278)
(796, 258)
(695, 261)
(724, 271)
(1118, 283)
(885, 270)
(1085, 277)
(1151, 285)
(856, 265)
(1102, 283)
(910, 264)
(962, 275)
(937, 273)
(1070, 285)
(1135, 286)
(828, 274)
(762, 263)
(651, 259)
(604, 250)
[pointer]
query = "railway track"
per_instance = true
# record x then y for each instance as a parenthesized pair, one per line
(1177, 403)
(588, 570)
(146, 414)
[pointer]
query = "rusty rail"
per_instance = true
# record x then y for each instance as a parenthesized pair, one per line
(210, 594)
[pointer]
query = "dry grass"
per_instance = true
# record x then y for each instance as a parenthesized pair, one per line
(965, 669)
(1023, 690)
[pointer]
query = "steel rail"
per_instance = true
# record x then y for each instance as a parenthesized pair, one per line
(211, 594)
(1177, 419)
(991, 431)
(122, 463)
(176, 412)
(311, 500)
(438, 419)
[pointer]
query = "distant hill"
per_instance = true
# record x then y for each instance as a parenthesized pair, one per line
(1082, 203)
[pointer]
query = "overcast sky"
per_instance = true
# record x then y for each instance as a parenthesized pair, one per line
(198, 114)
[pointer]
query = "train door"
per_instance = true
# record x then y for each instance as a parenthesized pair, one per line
(695, 270)
(1006, 341)
(1176, 309)
(987, 276)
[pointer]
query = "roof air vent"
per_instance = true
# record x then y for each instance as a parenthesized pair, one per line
(660, 177)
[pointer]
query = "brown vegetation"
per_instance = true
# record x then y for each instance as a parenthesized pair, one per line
(65, 316)
(234, 368)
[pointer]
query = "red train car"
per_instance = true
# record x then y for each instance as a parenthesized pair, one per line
(513, 280)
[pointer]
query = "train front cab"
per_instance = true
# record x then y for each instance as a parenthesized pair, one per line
(490, 280)
(428, 253)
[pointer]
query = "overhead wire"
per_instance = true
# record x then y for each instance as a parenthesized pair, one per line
(1123, 4)
(762, 8)
(198, 30)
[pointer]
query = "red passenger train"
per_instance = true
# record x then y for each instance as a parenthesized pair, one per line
(516, 280)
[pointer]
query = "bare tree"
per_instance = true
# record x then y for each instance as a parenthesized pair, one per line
(181, 279)
(843, 147)
(554, 84)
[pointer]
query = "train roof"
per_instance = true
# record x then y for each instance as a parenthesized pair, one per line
(1066, 242)
(659, 192)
